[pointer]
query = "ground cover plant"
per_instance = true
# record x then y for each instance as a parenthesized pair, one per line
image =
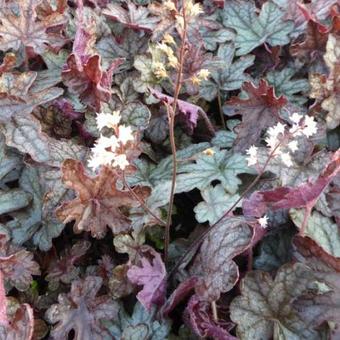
(169, 169)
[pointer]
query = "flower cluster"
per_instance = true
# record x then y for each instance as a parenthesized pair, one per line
(165, 54)
(281, 140)
(163, 57)
(110, 151)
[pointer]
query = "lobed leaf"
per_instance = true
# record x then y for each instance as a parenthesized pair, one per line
(82, 311)
(321, 229)
(214, 266)
(18, 95)
(259, 111)
(96, 206)
(215, 203)
(252, 30)
(264, 308)
(23, 29)
(150, 273)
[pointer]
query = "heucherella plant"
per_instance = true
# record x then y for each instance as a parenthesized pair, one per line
(169, 169)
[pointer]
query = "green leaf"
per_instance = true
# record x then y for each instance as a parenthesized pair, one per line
(158, 128)
(10, 161)
(133, 44)
(38, 220)
(12, 200)
(144, 65)
(20, 94)
(23, 132)
(149, 174)
(216, 202)
(52, 76)
(321, 229)
(224, 139)
(211, 38)
(140, 325)
(252, 30)
(284, 85)
(222, 166)
(264, 309)
(137, 115)
(228, 78)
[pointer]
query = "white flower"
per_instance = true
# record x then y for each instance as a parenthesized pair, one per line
(293, 145)
(125, 134)
(273, 132)
(93, 163)
(276, 130)
(263, 221)
(296, 118)
(272, 142)
(172, 61)
(102, 158)
(286, 159)
(252, 155)
(107, 119)
(310, 128)
(192, 10)
(103, 143)
(120, 161)
(203, 74)
(168, 39)
(169, 5)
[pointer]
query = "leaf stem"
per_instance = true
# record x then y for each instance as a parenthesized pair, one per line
(141, 202)
(171, 115)
(220, 109)
(214, 311)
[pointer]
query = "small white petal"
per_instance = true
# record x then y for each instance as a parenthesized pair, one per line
(293, 145)
(296, 118)
(107, 120)
(310, 128)
(125, 134)
(286, 159)
(103, 143)
(252, 151)
(121, 161)
(263, 221)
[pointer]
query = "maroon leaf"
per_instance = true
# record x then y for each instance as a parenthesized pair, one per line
(16, 264)
(190, 112)
(82, 311)
(3, 302)
(316, 309)
(216, 271)
(199, 318)
(259, 111)
(63, 269)
(88, 80)
(150, 273)
(83, 73)
(178, 295)
(304, 195)
(307, 251)
(136, 17)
